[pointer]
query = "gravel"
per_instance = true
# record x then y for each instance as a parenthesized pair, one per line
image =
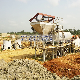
(25, 69)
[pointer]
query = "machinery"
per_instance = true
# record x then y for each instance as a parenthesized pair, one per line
(45, 26)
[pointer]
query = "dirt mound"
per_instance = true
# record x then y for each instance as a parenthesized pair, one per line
(68, 66)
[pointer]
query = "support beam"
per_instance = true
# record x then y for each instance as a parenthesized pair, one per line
(49, 16)
(35, 52)
(53, 53)
(44, 51)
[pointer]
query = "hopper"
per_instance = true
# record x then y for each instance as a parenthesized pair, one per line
(43, 27)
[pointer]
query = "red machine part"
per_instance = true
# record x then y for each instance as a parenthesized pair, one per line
(43, 15)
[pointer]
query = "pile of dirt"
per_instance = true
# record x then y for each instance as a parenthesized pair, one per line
(23, 69)
(68, 66)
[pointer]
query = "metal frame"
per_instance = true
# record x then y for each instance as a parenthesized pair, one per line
(43, 16)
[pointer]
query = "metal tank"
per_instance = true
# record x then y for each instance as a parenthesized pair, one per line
(6, 44)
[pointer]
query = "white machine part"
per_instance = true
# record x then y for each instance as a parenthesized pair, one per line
(67, 36)
(6, 45)
(77, 42)
(18, 43)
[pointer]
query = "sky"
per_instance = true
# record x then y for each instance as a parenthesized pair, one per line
(15, 14)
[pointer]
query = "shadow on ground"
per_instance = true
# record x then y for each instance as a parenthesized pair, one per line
(39, 57)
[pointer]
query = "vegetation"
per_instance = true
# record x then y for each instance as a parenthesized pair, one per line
(23, 33)
(72, 31)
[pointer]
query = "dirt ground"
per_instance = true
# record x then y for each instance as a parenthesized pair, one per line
(68, 66)
(9, 55)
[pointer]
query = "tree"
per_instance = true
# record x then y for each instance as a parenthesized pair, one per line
(66, 30)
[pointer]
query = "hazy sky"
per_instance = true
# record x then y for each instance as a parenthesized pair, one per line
(15, 14)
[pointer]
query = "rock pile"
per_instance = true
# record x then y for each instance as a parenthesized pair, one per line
(25, 69)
